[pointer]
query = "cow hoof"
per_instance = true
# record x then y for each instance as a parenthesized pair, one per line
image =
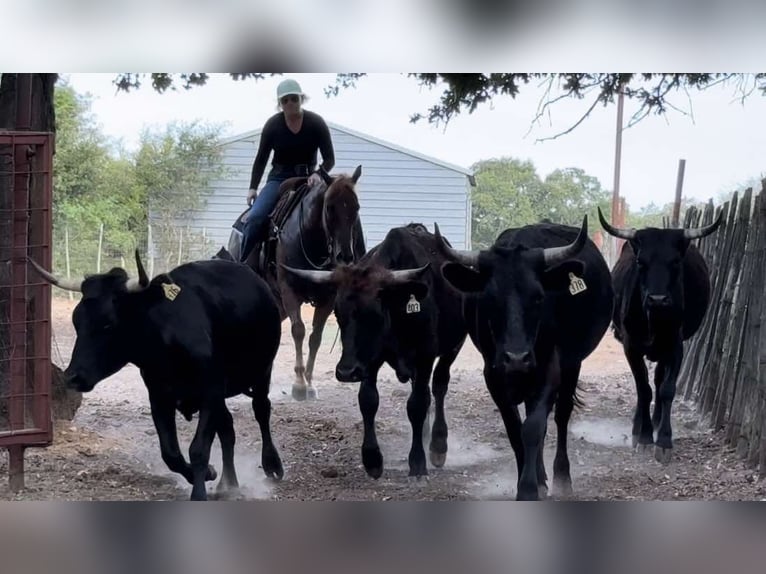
(226, 491)
(373, 463)
(437, 458)
(272, 467)
(418, 479)
(211, 473)
(562, 488)
(532, 495)
(663, 455)
(299, 392)
(311, 393)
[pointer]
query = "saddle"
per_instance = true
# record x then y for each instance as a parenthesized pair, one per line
(291, 193)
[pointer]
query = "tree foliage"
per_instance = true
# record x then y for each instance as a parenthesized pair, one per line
(97, 184)
(510, 193)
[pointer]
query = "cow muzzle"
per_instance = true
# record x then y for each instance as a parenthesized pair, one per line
(658, 302)
(523, 362)
(349, 373)
(78, 383)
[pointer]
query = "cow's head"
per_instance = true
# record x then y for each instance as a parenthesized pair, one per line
(101, 346)
(340, 215)
(365, 301)
(512, 285)
(659, 255)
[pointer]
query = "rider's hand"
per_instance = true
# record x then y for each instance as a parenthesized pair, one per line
(251, 196)
(314, 179)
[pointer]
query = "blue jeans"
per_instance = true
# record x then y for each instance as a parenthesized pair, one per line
(265, 201)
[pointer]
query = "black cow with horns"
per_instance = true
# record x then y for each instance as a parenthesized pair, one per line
(205, 331)
(394, 307)
(539, 301)
(662, 291)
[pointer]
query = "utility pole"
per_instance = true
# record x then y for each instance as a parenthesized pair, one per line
(614, 242)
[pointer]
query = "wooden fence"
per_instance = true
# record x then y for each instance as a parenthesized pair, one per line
(724, 368)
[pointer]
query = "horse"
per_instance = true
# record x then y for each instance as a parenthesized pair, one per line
(321, 231)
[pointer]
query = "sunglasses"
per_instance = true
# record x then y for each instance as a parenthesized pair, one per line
(291, 98)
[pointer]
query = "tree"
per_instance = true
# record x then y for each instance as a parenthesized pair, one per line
(174, 168)
(569, 194)
(92, 187)
(504, 197)
(509, 193)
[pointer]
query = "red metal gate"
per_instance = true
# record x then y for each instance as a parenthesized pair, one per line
(25, 300)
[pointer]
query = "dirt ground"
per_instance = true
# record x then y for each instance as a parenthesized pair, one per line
(110, 450)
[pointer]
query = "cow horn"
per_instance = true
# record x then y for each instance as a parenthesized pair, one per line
(403, 275)
(313, 275)
(469, 258)
(68, 284)
(555, 255)
(357, 174)
(704, 231)
(621, 233)
(143, 278)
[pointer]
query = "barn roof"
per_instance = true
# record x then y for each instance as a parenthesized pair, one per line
(369, 138)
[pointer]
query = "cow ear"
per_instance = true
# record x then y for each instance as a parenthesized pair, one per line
(557, 278)
(399, 293)
(463, 278)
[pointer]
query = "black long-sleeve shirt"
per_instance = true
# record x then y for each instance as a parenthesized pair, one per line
(293, 149)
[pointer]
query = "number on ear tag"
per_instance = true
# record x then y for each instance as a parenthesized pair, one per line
(412, 305)
(171, 290)
(576, 285)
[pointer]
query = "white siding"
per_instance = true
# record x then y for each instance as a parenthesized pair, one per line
(395, 189)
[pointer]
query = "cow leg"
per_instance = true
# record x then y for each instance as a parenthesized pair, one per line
(227, 437)
(372, 459)
(659, 375)
(438, 446)
(532, 479)
(542, 476)
(499, 393)
(417, 408)
(642, 422)
(298, 331)
(562, 480)
(164, 417)
(199, 451)
(270, 460)
(315, 339)
(667, 392)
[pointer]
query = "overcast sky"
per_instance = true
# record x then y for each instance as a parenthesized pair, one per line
(722, 140)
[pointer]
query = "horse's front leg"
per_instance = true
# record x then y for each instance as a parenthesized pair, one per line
(298, 329)
(315, 340)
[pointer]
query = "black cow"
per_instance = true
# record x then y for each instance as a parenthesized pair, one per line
(662, 290)
(203, 332)
(540, 303)
(394, 307)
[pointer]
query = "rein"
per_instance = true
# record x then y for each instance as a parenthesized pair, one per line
(326, 261)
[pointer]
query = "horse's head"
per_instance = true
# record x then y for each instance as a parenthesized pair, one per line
(341, 215)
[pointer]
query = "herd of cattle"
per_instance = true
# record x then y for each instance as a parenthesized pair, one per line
(535, 304)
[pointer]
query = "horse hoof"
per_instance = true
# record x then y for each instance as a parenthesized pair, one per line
(299, 392)
(663, 455)
(542, 491)
(211, 473)
(437, 458)
(311, 393)
(562, 488)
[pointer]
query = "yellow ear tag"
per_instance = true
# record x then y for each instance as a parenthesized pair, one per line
(171, 291)
(412, 305)
(576, 285)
